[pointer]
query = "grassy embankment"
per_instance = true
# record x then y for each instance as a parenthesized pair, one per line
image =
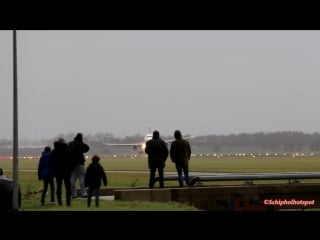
(127, 172)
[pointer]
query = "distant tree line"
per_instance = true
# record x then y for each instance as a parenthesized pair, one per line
(286, 141)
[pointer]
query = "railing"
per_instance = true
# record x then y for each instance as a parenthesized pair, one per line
(293, 177)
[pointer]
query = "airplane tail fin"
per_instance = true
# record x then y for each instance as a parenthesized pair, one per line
(149, 128)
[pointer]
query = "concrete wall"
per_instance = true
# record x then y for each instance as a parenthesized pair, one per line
(232, 198)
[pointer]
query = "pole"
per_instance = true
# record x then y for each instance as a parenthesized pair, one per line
(15, 198)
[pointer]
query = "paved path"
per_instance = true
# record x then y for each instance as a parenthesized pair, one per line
(108, 198)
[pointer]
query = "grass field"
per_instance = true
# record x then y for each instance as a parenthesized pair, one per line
(126, 172)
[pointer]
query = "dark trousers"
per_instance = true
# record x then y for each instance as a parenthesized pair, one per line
(93, 191)
(153, 176)
(182, 168)
(46, 183)
(67, 183)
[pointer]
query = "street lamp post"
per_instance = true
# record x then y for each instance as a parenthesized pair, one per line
(15, 199)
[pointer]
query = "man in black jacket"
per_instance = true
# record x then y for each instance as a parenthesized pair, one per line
(62, 163)
(78, 148)
(180, 153)
(158, 152)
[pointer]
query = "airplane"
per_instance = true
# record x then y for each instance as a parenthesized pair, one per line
(140, 146)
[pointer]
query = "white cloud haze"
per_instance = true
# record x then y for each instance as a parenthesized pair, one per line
(202, 82)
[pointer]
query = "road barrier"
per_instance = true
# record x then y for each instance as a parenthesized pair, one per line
(292, 177)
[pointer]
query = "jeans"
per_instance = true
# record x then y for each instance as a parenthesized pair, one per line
(78, 173)
(93, 192)
(66, 180)
(182, 168)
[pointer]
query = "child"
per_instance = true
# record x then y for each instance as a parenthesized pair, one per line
(45, 174)
(94, 174)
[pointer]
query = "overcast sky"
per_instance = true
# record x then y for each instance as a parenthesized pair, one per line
(120, 82)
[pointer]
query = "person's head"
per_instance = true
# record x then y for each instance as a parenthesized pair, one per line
(156, 134)
(61, 141)
(177, 134)
(78, 137)
(95, 159)
(47, 149)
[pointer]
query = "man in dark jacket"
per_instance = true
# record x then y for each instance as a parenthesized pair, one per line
(78, 148)
(180, 153)
(62, 164)
(158, 152)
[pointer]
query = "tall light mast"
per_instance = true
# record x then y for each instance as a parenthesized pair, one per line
(15, 199)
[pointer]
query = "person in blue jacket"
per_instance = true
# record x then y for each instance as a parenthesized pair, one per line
(46, 174)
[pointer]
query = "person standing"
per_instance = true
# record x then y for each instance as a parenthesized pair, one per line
(78, 148)
(62, 162)
(46, 174)
(93, 177)
(180, 153)
(158, 152)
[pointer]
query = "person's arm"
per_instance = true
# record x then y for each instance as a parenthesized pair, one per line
(165, 151)
(85, 147)
(189, 150)
(171, 152)
(104, 177)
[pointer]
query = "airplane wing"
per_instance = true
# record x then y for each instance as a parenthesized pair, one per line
(25, 147)
(141, 145)
(135, 146)
(123, 144)
(171, 140)
(188, 137)
(31, 146)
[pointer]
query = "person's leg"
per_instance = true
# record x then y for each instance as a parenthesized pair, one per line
(90, 191)
(97, 194)
(82, 172)
(152, 177)
(73, 179)
(51, 184)
(161, 178)
(180, 177)
(44, 191)
(186, 173)
(67, 184)
(59, 189)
